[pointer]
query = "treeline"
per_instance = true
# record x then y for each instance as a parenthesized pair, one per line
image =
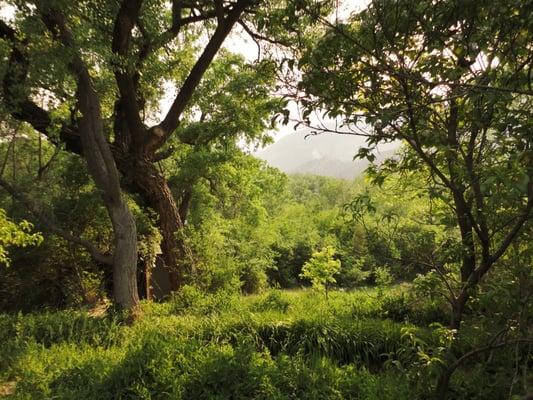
(248, 226)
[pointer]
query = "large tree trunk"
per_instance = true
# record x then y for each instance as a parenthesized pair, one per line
(125, 290)
(102, 167)
(156, 194)
(101, 164)
(105, 175)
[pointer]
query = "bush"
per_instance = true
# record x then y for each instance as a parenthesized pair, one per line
(273, 301)
(68, 326)
(382, 276)
(254, 279)
(316, 349)
(159, 367)
(404, 307)
(352, 275)
(193, 300)
(321, 269)
(396, 307)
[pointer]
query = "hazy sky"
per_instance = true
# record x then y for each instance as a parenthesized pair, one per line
(6, 11)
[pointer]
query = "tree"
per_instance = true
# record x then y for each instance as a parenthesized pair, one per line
(98, 25)
(452, 81)
(234, 105)
(133, 49)
(321, 269)
(229, 225)
(89, 128)
(399, 225)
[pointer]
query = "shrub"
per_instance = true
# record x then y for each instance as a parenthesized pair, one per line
(404, 306)
(273, 301)
(68, 326)
(253, 278)
(382, 276)
(396, 307)
(191, 299)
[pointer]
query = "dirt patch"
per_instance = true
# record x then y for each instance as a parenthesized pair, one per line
(7, 388)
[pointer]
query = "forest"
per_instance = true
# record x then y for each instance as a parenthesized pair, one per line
(146, 252)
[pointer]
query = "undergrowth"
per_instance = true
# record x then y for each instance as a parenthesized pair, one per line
(279, 345)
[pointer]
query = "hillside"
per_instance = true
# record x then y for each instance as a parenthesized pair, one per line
(326, 154)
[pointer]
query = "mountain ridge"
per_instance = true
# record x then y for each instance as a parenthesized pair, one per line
(326, 154)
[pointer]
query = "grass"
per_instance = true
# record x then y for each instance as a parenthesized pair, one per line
(278, 345)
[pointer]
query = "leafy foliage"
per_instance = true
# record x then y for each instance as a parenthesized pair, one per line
(441, 229)
(442, 78)
(339, 348)
(13, 234)
(321, 268)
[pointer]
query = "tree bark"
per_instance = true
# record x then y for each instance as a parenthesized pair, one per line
(458, 307)
(125, 291)
(156, 193)
(139, 145)
(105, 174)
(102, 167)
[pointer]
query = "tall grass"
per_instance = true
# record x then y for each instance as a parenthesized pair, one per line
(279, 345)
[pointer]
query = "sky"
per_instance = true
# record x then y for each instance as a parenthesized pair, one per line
(6, 11)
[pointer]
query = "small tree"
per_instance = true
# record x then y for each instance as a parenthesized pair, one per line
(383, 278)
(321, 268)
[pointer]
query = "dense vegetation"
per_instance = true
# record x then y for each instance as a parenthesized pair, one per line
(279, 344)
(147, 254)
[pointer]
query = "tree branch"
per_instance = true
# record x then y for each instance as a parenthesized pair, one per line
(164, 129)
(164, 154)
(126, 18)
(176, 16)
(97, 151)
(49, 224)
(418, 78)
(258, 37)
(219, 10)
(177, 23)
(518, 225)
(489, 347)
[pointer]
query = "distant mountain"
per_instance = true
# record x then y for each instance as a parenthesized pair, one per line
(326, 154)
